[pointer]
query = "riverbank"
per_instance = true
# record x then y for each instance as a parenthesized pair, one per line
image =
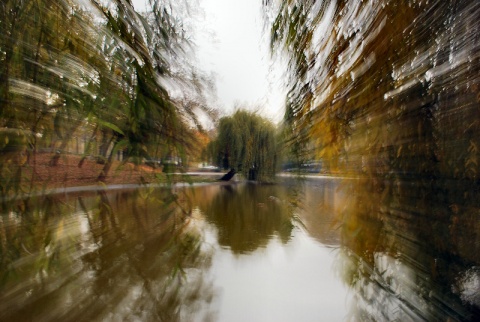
(69, 173)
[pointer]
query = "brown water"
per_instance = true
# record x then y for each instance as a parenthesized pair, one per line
(243, 252)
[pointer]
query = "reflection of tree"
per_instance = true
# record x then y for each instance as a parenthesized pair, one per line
(248, 216)
(321, 200)
(118, 256)
(402, 247)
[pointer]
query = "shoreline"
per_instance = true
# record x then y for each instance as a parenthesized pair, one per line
(72, 190)
(39, 178)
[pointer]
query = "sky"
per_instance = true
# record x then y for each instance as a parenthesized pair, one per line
(238, 54)
(232, 47)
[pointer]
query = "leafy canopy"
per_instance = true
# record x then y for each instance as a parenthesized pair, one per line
(247, 143)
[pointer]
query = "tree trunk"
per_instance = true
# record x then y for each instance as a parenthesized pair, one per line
(228, 176)
(102, 177)
(70, 132)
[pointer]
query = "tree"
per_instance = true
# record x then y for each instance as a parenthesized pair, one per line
(45, 86)
(366, 86)
(105, 71)
(247, 143)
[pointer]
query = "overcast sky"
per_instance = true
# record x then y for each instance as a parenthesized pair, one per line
(239, 55)
(231, 45)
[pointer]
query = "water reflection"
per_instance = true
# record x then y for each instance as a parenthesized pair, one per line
(310, 250)
(405, 252)
(108, 257)
(265, 266)
(318, 203)
(248, 216)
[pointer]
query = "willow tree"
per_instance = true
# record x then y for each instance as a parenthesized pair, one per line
(246, 143)
(98, 69)
(154, 47)
(378, 83)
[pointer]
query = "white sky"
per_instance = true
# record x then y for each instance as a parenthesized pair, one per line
(231, 45)
(238, 55)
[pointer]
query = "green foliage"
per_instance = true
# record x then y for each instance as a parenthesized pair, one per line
(97, 75)
(247, 143)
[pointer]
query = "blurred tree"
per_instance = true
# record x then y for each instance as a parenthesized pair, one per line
(151, 113)
(97, 70)
(368, 85)
(247, 143)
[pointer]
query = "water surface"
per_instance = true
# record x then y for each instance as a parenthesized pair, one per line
(296, 251)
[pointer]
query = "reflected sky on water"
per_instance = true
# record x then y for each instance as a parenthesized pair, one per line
(297, 251)
(286, 276)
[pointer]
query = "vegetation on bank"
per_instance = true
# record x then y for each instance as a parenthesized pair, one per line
(375, 89)
(67, 174)
(248, 144)
(96, 80)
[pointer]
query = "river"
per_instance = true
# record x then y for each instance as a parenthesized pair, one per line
(302, 250)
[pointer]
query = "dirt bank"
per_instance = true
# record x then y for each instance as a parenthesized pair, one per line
(38, 172)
